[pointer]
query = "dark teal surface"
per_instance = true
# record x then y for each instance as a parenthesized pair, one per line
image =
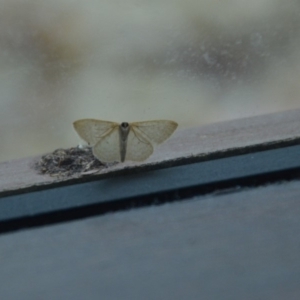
(237, 246)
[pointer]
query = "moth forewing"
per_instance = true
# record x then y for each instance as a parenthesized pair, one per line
(108, 149)
(91, 130)
(138, 147)
(155, 131)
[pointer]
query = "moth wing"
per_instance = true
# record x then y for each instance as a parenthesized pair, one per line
(91, 130)
(155, 131)
(138, 147)
(108, 147)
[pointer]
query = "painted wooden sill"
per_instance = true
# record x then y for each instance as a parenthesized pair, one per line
(185, 146)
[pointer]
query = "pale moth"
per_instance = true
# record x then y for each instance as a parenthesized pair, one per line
(126, 141)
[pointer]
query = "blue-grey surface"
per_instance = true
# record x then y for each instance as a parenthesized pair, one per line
(142, 184)
(244, 245)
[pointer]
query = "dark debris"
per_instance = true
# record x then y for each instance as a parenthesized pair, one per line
(70, 162)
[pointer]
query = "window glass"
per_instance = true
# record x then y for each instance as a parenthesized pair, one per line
(190, 61)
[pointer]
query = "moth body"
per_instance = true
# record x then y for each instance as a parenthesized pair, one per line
(124, 129)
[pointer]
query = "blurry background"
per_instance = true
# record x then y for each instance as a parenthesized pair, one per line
(191, 61)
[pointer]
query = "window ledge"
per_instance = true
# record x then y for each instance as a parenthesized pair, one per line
(185, 146)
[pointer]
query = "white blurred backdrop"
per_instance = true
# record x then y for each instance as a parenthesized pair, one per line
(191, 61)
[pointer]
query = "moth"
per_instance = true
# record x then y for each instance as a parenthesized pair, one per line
(112, 141)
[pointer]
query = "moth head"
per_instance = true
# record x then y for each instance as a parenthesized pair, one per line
(124, 125)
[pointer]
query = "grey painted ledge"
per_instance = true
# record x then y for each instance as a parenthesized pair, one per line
(185, 146)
